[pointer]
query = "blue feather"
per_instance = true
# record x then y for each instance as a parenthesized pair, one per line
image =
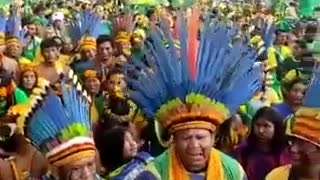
(2, 22)
(224, 71)
(312, 98)
(52, 115)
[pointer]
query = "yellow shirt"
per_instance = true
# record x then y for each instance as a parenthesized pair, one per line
(270, 95)
(280, 173)
(23, 60)
(272, 61)
(94, 115)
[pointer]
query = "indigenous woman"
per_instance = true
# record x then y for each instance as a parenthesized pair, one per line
(29, 79)
(305, 145)
(61, 128)
(294, 92)
(266, 144)
(190, 97)
(9, 94)
(119, 152)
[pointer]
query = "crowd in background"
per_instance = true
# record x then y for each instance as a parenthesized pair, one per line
(82, 90)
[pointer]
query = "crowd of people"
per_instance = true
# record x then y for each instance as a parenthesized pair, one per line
(160, 90)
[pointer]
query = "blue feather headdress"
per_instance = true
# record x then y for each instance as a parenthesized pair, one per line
(60, 126)
(13, 27)
(3, 22)
(201, 84)
(88, 24)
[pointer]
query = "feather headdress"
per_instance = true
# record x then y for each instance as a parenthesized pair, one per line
(88, 25)
(60, 127)
(14, 29)
(199, 85)
(3, 21)
(305, 123)
(122, 27)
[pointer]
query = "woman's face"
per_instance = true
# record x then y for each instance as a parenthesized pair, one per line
(29, 79)
(264, 130)
(296, 94)
(82, 169)
(130, 147)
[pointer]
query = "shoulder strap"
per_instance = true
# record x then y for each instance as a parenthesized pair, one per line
(33, 157)
(14, 168)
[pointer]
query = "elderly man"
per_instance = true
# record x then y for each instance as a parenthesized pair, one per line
(191, 94)
(62, 131)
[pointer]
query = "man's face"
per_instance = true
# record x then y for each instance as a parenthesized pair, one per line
(105, 51)
(304, 153)
(193, 146)
(32, 29)
(88, 54)
(92, 85)
(82, 169)
(14, 50)
(51, 54)
(281, 38)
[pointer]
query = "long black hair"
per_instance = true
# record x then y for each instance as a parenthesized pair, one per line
(279, 140)
(110, 143)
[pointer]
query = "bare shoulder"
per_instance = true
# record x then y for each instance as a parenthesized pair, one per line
(39, 165)
(5, 170)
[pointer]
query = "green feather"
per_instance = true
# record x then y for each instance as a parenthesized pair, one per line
(74, 130)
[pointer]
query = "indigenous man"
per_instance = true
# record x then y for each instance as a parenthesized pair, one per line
(61, 129)
(88, 51)
(190, 96)
(104, 59)
(51, 69)
(8, 64)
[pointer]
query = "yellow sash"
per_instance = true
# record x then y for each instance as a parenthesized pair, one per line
(178, 172)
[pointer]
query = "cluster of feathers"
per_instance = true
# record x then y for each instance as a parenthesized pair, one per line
(216, 68)
(52, 117)
(11, 26)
